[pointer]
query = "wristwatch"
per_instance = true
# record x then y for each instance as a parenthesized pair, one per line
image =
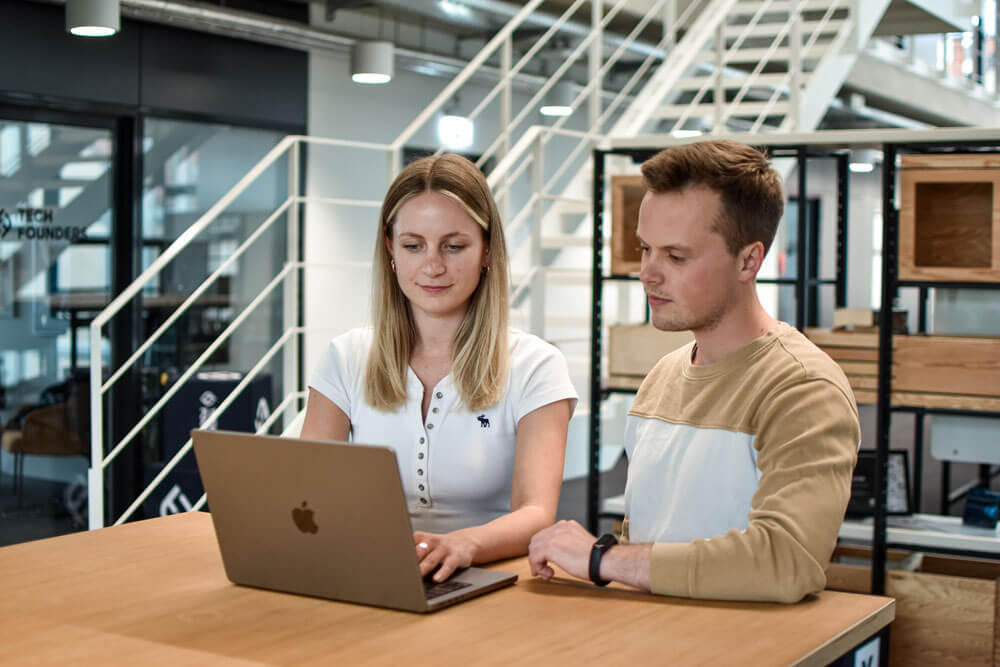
(603, 543)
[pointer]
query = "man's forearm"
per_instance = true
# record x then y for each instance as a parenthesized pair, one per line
(628, 564)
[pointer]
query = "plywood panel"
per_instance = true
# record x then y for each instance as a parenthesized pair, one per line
(947, 365)
(859, 367)
(626, 196)
(863, 382)
(940, 620)
(635, 349)
(949, 401)
(851, 353)
(959, 161)
(830, 338)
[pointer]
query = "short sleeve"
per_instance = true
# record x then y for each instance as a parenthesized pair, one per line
(539, 376)
(338, 372)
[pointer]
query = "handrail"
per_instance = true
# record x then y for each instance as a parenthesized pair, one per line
(212, 419)
(445, 95)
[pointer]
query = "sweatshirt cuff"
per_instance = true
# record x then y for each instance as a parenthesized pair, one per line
(669, 572)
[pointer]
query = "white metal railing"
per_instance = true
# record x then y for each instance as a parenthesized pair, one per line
(289, 148)
(521, 179)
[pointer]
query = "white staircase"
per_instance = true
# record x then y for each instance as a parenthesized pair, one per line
(728, 65)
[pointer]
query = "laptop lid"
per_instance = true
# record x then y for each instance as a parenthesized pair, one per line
(314, 518)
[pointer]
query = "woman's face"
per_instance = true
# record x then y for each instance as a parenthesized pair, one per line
(439, 253)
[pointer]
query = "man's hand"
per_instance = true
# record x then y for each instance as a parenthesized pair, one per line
(566, 544)
(447, 553)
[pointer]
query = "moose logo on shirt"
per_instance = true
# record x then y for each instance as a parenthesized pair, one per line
(483, 421)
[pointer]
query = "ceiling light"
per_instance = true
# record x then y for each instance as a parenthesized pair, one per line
(559, 100)
(455, 132)
(372, 62)
(863, 160)
(93, 18)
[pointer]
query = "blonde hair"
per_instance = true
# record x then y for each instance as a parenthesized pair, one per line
(480, 355)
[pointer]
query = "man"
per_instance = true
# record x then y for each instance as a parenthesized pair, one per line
(741, 445)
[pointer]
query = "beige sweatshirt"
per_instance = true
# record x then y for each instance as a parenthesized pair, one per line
(740, 471)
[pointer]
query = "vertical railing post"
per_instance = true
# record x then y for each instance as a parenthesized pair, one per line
(537, 317)
(720, 84)
(95, 475)
(670, 24)
(506, 103)
(290, 356)
(795, 66)
(594, 65)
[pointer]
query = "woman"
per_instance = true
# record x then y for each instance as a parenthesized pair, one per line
(476, 413)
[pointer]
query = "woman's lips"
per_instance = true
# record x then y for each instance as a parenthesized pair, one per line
(434, 289)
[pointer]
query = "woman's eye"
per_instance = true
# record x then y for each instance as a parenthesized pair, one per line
(455, 248)
(412, 247)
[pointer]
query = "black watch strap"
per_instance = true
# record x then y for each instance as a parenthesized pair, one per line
(603, 543)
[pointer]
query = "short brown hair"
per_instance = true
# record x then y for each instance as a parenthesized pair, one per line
(750, 188)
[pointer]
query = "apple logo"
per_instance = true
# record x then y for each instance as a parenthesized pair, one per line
(303, 518)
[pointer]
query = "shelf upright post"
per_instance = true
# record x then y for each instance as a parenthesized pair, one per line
(802, 264)
(843, 206)
(890, 229)
(596, 332)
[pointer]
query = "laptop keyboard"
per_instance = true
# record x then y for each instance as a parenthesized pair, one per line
(433, 590)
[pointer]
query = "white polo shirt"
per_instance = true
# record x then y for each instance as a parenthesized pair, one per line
(457, 466)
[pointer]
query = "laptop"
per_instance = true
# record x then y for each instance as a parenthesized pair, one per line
(322, 519)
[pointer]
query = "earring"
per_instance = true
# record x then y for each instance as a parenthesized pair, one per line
(392, 263)
(486, 269)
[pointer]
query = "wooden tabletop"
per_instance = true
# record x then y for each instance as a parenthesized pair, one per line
(154, 593)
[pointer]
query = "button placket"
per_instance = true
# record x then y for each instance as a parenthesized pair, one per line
(423, 442)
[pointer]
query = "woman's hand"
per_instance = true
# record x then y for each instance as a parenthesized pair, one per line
(447, 553)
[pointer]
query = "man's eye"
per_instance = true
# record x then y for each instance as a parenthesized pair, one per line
(678, 260)
(643, 248)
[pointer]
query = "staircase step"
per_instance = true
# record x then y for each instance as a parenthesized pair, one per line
(560, 277)
(750, 7)
(780, 54)
(736, 82)
(772, 29)
(743, 109)
(557, 241)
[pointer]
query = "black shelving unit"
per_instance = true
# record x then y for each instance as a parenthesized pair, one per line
(806, 281)
(891, 285)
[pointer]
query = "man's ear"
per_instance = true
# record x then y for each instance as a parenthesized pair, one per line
(750, 259)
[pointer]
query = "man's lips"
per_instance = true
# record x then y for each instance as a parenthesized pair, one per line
(656, 300)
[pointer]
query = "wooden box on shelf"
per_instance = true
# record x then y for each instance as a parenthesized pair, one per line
(633, 350)
(959, 373)
(857, 354)
(946, 606)
(626, 195)
(949, 218)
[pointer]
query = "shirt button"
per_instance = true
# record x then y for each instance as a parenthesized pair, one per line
(439, 395)
(420, 455)
(421, 487)
(430, 426)
(421, 441)
(423, 500)
(420, 471)
(434, 410)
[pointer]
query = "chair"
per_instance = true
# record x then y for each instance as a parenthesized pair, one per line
(59, 426)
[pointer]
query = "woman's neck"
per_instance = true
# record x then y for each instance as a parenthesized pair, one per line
(435, 335)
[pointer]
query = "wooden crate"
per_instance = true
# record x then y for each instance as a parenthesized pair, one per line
(626, 195)
(959, 373)
(946, 610)
(857, 354)
(949, 218)
(633, 350)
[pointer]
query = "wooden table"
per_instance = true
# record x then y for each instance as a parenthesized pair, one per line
(154, 592)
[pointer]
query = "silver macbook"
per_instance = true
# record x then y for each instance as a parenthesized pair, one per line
(322, 519)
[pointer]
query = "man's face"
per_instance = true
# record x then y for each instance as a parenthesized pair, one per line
(690, 277)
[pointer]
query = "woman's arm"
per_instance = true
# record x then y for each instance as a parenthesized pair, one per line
(538, 468)
(324, 420)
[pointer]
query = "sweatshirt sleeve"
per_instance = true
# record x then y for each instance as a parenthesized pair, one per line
(807, 444)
